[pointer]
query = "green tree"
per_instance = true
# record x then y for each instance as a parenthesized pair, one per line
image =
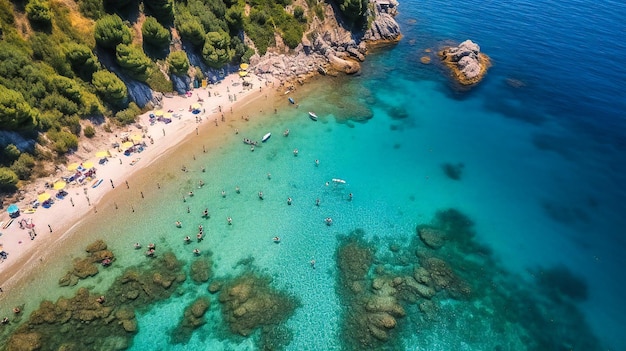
(63, 141)
(353, 10)
(11, 152)
(154, 33)
(15, 112)
(39, 13)
(93, 9)
(110, 88)
(190, 29)
(133, 60)
(216, 51)
(234, 18)
(82, 60)
(111, 31)
(23, 166)
(127, 116)
(161, 9)
(298, 13)
(8, 179)
(178, 62)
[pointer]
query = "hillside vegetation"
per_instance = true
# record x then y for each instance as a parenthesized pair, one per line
(65, 64)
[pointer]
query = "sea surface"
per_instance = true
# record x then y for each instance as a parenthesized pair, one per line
(522, 175)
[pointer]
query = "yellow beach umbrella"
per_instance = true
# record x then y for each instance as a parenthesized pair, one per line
(59, 185)
(127, 144)
(243, 73)
(196, 106)
(158, 113)
(43, 197)
(244, 66)
(72, 166)
(168, 115)
(102, 153)
(136, 137)
(88, 165)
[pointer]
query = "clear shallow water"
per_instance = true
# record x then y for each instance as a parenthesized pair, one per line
(542, 179)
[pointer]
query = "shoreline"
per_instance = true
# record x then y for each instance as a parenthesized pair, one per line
(26, 255)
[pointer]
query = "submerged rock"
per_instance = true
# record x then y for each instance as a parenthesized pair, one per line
(432, 237)
(467, 63)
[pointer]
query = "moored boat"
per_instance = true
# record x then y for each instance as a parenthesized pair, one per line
(266, 136)
(313, 116)
(292, 101)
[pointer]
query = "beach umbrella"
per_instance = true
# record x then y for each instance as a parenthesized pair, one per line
(59, 185)
(12, 209)
(158, 113)
(72, 166)
(244, 66)
(136, 137)
(102, 153)
(88, 165)
(196, 106)
(127, 144)
(168, 115)
(243, 73)
(43, 197)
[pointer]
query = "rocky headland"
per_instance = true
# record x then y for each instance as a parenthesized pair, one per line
(333, 48)
(467, 63)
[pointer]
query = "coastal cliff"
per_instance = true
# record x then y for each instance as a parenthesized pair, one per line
(467, 63)
(333, 48)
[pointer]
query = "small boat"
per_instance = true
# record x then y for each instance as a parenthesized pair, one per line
(7, 224)
(313, 116)
(339, 181)
(96, 183)
(249, 142)
(276, 239)
(266, 136)
(292, 101)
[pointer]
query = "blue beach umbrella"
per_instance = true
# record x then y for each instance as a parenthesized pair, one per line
(13, 210)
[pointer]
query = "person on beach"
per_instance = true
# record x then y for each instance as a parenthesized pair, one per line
(137, 246)
(178, 224)
(199, 237)
(196, 252)
(187, 239)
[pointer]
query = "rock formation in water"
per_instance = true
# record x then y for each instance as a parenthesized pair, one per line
(467, 63)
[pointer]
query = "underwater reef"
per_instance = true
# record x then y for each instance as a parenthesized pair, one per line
(443, 288)
(99, 321)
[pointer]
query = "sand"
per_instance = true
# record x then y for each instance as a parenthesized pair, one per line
(52, 225)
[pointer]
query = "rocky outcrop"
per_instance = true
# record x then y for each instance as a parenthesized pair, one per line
(333, 49)
(467, 63)
(384, 27)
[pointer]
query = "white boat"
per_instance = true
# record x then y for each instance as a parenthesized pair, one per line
(339, 181)
(313, 115)
(266, 136)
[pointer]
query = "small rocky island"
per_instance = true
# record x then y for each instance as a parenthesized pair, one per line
(467, 63)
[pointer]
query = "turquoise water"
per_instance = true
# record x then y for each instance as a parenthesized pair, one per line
(542, 180)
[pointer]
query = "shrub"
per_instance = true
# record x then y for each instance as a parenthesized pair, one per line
(23, 166)
(11, 152)
(93, 9)
(8, 179)
(63, 141)
(89, 131)
(127, 116)
(216, 51)
(190, 29)
(298, 13)
(15, 112)
(178, 63)
(157, 81)
(39, 13)
(82, 60)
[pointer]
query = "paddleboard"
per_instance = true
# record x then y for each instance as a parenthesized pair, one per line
(96, 183)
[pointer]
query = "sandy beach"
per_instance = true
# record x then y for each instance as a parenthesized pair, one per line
(52, 225)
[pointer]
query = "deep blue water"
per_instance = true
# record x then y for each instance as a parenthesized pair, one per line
(540, 144)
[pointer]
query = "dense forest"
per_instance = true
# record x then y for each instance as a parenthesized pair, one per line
(66, 65)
